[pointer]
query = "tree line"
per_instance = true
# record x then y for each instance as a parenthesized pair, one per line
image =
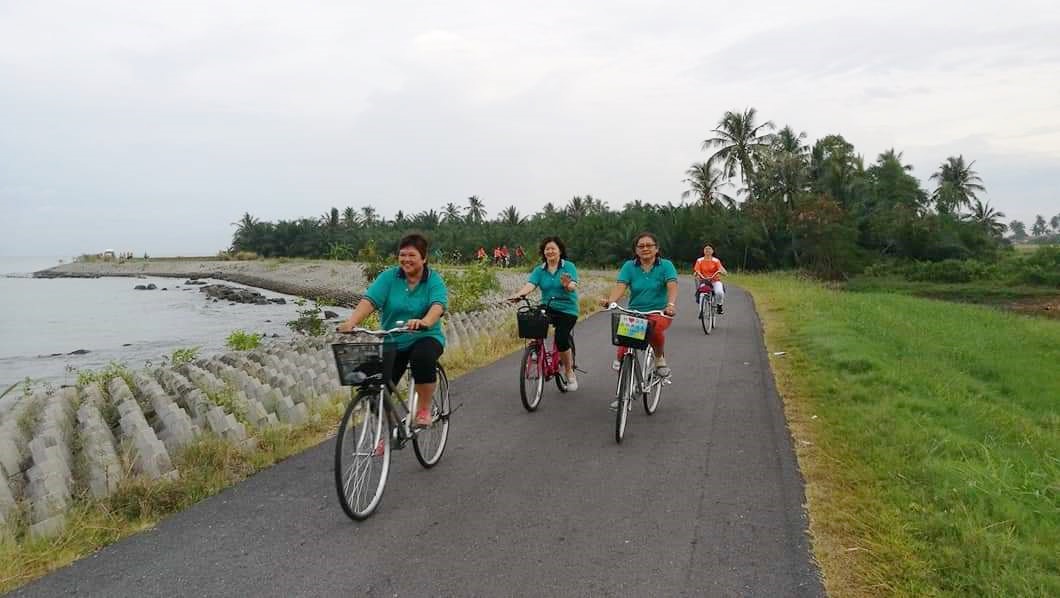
(764, 197)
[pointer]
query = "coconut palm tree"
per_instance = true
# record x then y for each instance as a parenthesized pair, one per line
(330, 220)
(705, 183)
(369, 216)
(476, 210)
(451, 213)
(511, 217)
(988, 218)
(349, 217)
(739, 139)
(957, 185)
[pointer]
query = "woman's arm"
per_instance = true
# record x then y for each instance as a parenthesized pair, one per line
(671, 298)
(523, 292)
(427, 320)
(616, 293)
(363, 310)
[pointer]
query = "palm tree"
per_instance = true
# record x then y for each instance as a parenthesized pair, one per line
(399, 219)
(451, 213)
(705, 184)
(988, 218)
(368, 216)
(426, 220)
(739, 139)
(476, 210)
(1019, 230)
(787, 140)
(511, 217)
(1038, 228)
(1055, 223)
(349, 217)
(330, 220)
(957, 185)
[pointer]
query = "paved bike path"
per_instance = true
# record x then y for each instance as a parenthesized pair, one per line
(701, 499)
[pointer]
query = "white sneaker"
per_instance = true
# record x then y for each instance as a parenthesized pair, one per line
(616, 365)
(572, 382)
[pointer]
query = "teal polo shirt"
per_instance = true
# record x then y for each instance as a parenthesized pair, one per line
(396, 302)
(647, 290)
(551, 286)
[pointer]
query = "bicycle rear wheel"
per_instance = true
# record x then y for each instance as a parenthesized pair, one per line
(429, 443)
(625, 395)
(652, 383)
(561, 377)
(362, 456)
(531, 383)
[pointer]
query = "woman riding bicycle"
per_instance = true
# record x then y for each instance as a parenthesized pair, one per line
(557, 278)
(414, 294)
(652, 284)
(708, 269)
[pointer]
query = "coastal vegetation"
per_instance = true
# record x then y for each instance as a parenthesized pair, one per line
(766, 198)
(927, 434)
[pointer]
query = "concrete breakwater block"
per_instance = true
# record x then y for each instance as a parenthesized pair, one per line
(147, 454)
(50, 477)
(104, 470)
(173, 425)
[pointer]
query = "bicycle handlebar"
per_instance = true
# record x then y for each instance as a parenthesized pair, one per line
(397, 330)
(617, 307)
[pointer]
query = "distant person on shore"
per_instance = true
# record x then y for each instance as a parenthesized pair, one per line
(480, 255)
(496, 256)
(505, 256)
(520, 255)
(414, 294)
(708, 270)
(557, 278)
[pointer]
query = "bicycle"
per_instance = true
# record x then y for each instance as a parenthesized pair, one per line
(539, 364)
(708, 306)
(365, 437)
(636, 374)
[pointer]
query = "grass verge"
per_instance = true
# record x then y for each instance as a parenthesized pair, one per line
(928, 434)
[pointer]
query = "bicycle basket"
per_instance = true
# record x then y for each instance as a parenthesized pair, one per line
(533, 323)
(630, 331)
(364, 364)
(705, 287)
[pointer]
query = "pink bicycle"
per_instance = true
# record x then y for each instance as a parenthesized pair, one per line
(539, 364)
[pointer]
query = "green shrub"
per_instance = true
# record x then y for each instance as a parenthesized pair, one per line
(310, 320)
(185, 355)
(241, 340)
(469, 286)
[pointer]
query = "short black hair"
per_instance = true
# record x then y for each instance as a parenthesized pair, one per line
(559, 243)
(415, 240)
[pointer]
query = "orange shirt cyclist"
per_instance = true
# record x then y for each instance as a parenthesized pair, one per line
(709, 268)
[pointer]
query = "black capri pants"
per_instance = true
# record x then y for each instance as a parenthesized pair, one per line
(423, 354)
(564, 323)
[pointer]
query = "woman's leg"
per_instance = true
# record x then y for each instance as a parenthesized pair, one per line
(564, 324)
(719, 292)
(423, 356)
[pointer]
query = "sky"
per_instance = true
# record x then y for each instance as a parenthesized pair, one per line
(152, 126)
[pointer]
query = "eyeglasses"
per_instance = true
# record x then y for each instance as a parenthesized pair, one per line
(645, 246)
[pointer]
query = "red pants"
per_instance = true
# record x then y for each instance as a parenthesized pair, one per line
(656, 339)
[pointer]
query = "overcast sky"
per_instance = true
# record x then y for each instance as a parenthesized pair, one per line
(151, 126)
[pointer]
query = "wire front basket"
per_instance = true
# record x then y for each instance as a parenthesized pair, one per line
(532, 321)
(364, 364)
(630, 331)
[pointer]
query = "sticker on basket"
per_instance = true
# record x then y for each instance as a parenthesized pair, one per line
(632, 327)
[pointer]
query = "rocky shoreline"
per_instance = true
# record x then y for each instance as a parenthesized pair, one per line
(337, 282)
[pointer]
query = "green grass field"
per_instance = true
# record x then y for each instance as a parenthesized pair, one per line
(929, 436)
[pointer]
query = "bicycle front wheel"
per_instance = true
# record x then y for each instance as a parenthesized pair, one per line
(362, 456)
(652, 383)
(429, 443)
(625, 395)
(531, 383)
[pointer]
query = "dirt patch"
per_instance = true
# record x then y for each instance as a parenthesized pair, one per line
(1046, 307)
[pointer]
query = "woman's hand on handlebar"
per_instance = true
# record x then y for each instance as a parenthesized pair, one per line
(416, 324)
(515, 298)
(346, 326)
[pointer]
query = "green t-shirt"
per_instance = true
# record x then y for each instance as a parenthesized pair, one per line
(647, 290)
(396, 302)
(551, 286)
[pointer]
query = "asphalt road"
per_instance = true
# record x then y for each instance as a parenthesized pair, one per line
(701, 499)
